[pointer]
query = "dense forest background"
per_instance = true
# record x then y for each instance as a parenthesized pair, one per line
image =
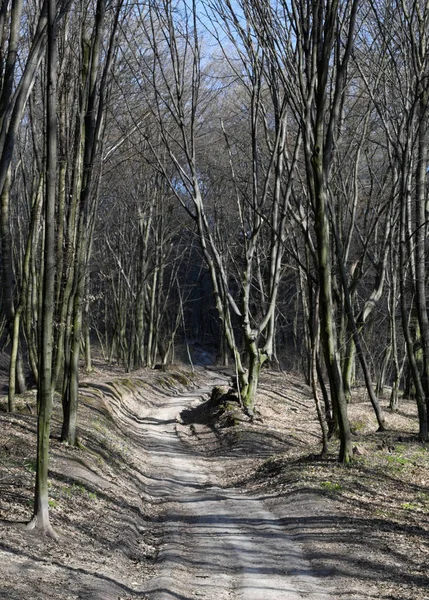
(242, 179)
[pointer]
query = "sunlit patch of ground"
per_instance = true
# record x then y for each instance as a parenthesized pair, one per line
(364, 526)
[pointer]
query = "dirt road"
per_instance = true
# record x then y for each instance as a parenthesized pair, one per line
(217, 544)
(156, 508)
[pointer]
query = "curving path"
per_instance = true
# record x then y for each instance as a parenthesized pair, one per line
(217, 544)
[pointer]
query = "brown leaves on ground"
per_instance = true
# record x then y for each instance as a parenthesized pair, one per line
(108, 534)
(364, 527)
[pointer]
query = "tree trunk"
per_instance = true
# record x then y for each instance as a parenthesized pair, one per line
(326, 310)
(16, 368)
(14, 360)
(45, 391)
(349, 367)
(421, 229)
(392, 300)
(403, 268)
(250, 378)
(355, 332)
(314, 327)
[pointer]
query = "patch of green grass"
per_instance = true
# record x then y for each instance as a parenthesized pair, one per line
(30, 465)
(52, 503)
(66, 490)
(99, 426)
(423, 498)
(410, 506)
(399, 461)
(166, 381)
(358, 426)
(182, 378)
(420, 503)
(127, 383)
(420, 454)
(331, 486)
(400, 448)
(77, 489)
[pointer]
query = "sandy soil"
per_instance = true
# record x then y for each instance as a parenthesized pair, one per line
(162, 503)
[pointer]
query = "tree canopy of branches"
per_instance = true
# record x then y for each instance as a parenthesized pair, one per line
(246, 177)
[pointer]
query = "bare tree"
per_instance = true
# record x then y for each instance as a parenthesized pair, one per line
(311, 43)
(182, 101)
(45, 390)
(90, 137)
(399, 91)
(15, 87)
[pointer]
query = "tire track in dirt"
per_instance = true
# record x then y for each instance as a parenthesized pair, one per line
(217, 544)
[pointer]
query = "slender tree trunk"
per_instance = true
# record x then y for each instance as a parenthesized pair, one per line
(314, 327)
(332, 360)
(14, 361)
(68, 433)
(151, 342)
(382, 374)
(403, 277)
(16, 370)
(349, 365)
(308, 365)
(421, 229)
(393, 301)
(356, 335)
(45, 391)
(329, 415)
(250, 380)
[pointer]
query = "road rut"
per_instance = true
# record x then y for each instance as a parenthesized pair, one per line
(217, 544)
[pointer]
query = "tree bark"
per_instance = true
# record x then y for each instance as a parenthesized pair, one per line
(40, 518)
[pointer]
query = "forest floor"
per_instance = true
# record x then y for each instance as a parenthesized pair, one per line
(162, 501)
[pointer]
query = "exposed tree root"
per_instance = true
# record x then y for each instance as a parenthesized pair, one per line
(45, 529)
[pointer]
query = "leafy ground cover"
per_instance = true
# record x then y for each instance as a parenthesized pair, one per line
(363, 527)
(367, 522)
